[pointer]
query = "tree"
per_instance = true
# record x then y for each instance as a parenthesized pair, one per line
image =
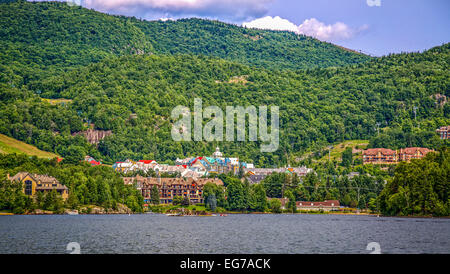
(373, 204)
(291, 205)
(74, 154)
(211, 202)
(420, 187)
(347, 157)
(236, 195)
(177, 200)
(259, 196)
(154, 195)
(275, 205)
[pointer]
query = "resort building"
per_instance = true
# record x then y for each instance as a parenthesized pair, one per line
(188, 167)
(33, 183)
(389, 156)
(444, 132)
(168, 188)
(406, 154)
(379, 156)
(327, 205)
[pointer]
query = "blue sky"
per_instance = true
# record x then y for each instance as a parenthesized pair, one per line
(395, 26)
(376, 27)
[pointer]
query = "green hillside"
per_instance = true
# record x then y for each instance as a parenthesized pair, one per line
(39, 37)
(10, 145)
(261, 48)
(317, 107)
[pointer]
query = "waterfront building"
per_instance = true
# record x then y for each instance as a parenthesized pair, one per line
(327, 205)
(33, 183)
(169, 188)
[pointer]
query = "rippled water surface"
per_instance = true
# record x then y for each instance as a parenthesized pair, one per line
(237, 233)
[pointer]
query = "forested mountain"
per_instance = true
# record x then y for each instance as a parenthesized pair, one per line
(103, 65)
(45, 36)
(261, 48)
(40, 38)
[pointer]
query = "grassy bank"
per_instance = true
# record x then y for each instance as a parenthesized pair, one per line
(11, 145)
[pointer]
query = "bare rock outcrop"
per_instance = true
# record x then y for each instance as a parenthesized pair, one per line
(94, 136)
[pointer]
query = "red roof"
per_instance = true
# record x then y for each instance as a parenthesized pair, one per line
(146, 161)
(198, 158)
(374, 151)
(413, 150)
(94, 163)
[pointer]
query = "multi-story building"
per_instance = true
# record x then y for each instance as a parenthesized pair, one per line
(33, 183)
(389, 156)
(215, 164)
(169, 188)
(379, 156)
(444, 132)
(130, 165)
(406, 154)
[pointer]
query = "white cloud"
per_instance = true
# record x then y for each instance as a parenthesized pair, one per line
(232, 9)
(272, 23)
(310, 27)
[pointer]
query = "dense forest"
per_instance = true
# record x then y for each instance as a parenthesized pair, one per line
(317, 107)
(258, 48)
(41, 38)
(419, 188)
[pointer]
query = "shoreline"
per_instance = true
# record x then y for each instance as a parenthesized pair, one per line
(233, 213)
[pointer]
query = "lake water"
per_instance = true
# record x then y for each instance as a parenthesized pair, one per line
(237, 233)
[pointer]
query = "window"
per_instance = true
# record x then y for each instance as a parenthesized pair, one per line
(28, 187)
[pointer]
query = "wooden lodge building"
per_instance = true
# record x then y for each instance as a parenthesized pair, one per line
(33, 183)
(389, 156)
(170, 187)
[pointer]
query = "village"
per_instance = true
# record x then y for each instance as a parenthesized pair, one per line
(188, 176)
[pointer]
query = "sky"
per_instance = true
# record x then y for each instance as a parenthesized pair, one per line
(375, 27)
